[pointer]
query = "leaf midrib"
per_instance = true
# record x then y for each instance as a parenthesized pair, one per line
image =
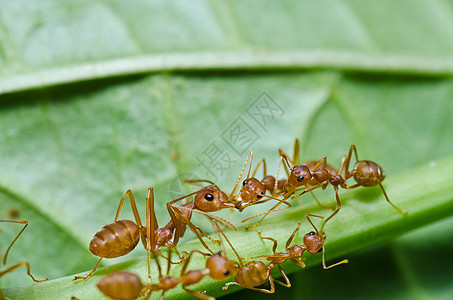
(242, 60)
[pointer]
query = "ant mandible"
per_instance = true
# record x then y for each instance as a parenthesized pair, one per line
(22, 263)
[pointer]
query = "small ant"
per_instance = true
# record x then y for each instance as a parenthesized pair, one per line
(122, 285)
(365, 173)
(218, 267)
(122, 236)
(22, 263)
(313, 243)
(256, 273)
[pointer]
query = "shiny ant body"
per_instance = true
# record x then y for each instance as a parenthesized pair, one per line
(122, 236)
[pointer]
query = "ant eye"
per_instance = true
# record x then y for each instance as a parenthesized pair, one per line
(311, 233)
(300, 178)
(261, 195)
(226, 273)
(209, 197)
(244, 182)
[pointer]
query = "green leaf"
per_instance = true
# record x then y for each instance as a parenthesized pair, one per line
(76, 129)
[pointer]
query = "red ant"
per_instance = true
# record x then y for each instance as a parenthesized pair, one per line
(22, 263)
(313, 243)
(122, 236)
(218, 267)
(256, 273)
(365, 173)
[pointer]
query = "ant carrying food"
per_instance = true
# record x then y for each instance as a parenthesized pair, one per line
(22, 263)
(122, 236)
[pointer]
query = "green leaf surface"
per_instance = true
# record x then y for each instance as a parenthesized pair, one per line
(96, 98)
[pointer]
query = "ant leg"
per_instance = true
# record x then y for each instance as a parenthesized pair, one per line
(134, 210)
(218, 230)
(287, 163)
(274, 247)
(309, 220)
(194, 181)
(288, 283)
(290, 239)
(271, 210)
(151, 222)
(211, 216)
(296, 152)
(270, 291)
(133, 206)
(260, 162)
(91, 273)
(197, 294)
(404, 212)
(348, 174)
(195, 231)
(186, 263)
(25, 223)
(320, 204)
(250, 155)
(344, 261)
(322, 162)
(298, 262)
(22, 263)
(337, 199)
(262, 214)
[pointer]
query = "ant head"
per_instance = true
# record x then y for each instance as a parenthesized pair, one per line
(252, 190)
(211, 198)
(221, 267)
(314, 241)
(300, 175)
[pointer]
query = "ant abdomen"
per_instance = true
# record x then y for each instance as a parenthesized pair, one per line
(368, 173)
(253, 273)
(121, 286)
(115, 239)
